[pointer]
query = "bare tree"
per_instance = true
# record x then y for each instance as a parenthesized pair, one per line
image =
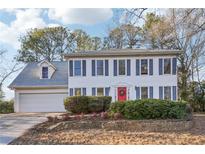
(116, 38)
(158, 32)
(6, 70)
(189, 33)
(133, 15)
(132, 35)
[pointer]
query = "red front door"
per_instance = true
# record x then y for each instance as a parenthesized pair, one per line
(122, 93)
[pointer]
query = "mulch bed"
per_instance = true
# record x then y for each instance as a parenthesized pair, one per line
(40, 134)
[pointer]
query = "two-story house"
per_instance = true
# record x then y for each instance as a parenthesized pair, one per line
(125, 74)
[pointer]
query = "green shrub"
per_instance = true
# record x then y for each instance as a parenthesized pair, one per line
(6, 106)
(151, 109)
(117, 107)
(76, 104)
(95, 105)
(87, 104)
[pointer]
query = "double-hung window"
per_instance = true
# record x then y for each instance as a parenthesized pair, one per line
(144, 66)
(167, 66)
(100, 68)
(100, 91)
(77, 68)
(121, 69)
(77, 91)
(144, 92)
(167, 92)
(45, 72)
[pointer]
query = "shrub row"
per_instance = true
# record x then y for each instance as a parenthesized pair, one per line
(6, 106)
(151, 109)
(87, 104)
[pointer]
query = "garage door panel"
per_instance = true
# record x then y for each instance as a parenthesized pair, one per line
(42, 102)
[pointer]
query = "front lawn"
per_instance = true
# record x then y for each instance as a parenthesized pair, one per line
(148, 121)
(46, 133)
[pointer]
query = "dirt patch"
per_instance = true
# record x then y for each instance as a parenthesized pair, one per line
(42, 135)
(125, 125)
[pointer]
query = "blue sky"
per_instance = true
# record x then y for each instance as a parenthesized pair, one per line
(15, 22)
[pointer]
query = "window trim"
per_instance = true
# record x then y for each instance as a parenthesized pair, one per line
(100, 88)
(147, 92)
(118, 64)
(96, 67)
(170, 92)
(80, 68)
(96, 91)
(163, 69)
(42, 77)
(80, 91)
(147, 66)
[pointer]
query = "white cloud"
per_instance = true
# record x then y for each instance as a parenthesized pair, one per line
(53, 25)
(32, 18)
(8, 35)
(9, 10)
(25, 19)
(87, 16)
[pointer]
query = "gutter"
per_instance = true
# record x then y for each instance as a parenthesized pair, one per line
(128, 53)
(38, 87)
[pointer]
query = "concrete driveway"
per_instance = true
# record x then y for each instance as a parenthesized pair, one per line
(15, 124)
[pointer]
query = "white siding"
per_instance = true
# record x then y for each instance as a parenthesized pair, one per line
(130, 82)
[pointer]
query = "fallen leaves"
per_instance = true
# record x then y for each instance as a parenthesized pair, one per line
(101, 136)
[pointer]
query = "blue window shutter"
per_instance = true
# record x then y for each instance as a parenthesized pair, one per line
(150, 92)
(174, 66)
(174, 92)
(93, 67)
(160, 92)
(71, 68)
(137, 92)
(115, 67)
(137, 67)
(84, 67)
(107, 91)
(106, 68)
(128, 67)
(93, 91)
(84, 91)
(151, 67)
(71, 91)
(160, 66)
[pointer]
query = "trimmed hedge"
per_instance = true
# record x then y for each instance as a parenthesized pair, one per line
(6, 106)
(87, 104)
(152, 109)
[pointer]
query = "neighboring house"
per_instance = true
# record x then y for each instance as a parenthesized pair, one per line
(125, 74)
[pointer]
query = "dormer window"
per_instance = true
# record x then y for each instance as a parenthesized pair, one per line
(44, 72)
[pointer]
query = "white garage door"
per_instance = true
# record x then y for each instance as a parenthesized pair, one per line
(42, 102)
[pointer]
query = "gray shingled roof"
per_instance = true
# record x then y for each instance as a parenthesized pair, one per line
(29, 78)
(122, 52)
